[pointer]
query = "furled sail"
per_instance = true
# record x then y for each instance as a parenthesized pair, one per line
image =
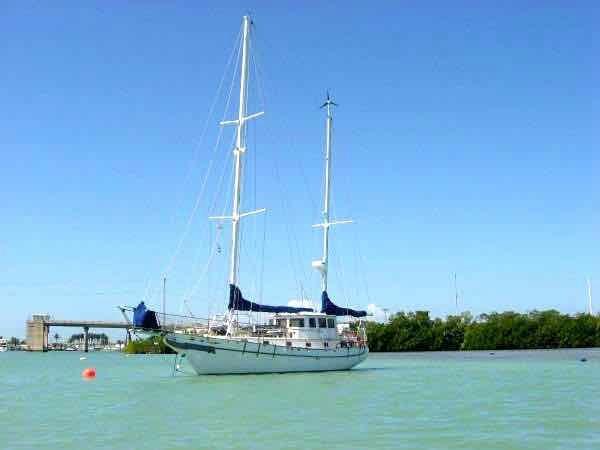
(239, 303)
(328, 307)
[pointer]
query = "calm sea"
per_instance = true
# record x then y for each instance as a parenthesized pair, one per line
(475, 400)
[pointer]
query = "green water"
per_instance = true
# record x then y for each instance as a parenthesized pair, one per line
(520, 400)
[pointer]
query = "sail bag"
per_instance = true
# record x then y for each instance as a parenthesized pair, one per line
(144, 317)
(239, 303)
(328, 307)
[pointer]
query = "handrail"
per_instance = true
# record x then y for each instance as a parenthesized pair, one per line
(130, 308)
(268, 339)
(195, 325)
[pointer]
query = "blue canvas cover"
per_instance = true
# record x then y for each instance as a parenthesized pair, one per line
(144, 317)
(239, 303)
(328, 307)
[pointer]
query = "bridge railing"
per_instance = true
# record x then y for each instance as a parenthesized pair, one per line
(39, 317)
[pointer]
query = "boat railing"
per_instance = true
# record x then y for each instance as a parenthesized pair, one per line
(264, 334)
(174, 323)
(318, 343)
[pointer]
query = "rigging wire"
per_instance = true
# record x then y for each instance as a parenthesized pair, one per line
(257, 278)
(172, 260)
(194, 288)
(262, 260)
(338, 268)
(202, 189)
(211, 109)
(287, 229)
(340, 273)
(227, 162)
(348, 200)
(294, 247)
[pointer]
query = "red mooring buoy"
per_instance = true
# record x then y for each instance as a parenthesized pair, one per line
(89, 372)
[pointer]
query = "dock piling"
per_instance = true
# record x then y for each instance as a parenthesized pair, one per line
(85, 338)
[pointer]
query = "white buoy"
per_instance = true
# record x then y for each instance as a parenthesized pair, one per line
(83, 358)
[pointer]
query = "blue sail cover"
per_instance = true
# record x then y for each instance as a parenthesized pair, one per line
(328, 307)
(239, 303)
(144, 318)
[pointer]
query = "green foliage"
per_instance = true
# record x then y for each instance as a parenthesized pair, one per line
(415, 331)
(153, 344)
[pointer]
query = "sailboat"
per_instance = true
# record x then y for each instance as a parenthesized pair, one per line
(295, 339)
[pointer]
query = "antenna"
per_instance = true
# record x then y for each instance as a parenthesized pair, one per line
(328, 103)
(589, 292)
(455, 294)
(164, 301)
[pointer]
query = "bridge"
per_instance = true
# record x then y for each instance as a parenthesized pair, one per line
(39, 325)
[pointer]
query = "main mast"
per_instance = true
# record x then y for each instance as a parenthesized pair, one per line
(238, 152)
(322, 264)
(240, 148)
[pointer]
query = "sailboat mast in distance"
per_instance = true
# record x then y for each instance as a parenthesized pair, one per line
(589, 292)
(322, 264)
(164, 301)
(455, 294)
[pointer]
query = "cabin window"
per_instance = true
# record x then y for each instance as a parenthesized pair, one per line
(308, 344)
(322, 322)
(312, 322)
(330, 323)
(280, 323)
(299, 323)
(265, 342)
(325, 344)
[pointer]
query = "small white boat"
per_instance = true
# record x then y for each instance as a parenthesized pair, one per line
(295, 339)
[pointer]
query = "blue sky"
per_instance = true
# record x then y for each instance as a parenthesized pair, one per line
(466, 141)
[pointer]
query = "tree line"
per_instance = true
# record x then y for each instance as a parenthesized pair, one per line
(93, 338)
(416, 331)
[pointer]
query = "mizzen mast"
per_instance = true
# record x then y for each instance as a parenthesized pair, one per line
(322, 264)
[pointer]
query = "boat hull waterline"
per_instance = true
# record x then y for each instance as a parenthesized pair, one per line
(213, 356)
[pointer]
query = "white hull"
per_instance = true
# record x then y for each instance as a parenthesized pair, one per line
(215, 355)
